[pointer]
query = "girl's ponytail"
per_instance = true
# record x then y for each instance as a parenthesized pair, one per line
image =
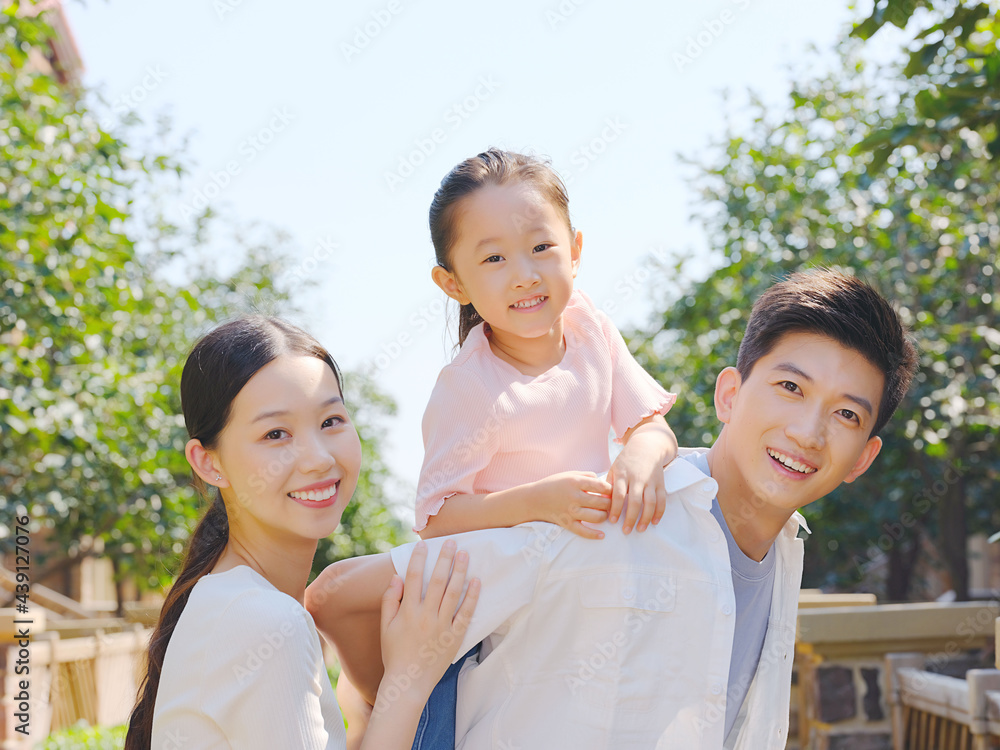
(468, 319)
(204, 550)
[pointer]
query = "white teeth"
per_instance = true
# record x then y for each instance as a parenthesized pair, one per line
(528, 303)
(315, 495)
(790, 463)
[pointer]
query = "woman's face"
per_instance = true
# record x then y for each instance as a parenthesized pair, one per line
(290, 452)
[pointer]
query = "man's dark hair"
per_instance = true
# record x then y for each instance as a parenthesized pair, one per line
(847, 310)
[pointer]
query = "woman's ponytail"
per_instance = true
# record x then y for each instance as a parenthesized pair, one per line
(205, 547)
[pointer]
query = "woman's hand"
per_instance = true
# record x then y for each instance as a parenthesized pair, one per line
(421, 634)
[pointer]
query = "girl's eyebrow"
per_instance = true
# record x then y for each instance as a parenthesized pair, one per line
(282, 412)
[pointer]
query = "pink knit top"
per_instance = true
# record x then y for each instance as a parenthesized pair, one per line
(488, 427)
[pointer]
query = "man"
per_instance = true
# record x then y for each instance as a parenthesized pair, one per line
(682, 636)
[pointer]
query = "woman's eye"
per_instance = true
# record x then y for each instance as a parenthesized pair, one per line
(493, 259)
(332, 421)
(543, 246)
(788, 385)
(274, 435)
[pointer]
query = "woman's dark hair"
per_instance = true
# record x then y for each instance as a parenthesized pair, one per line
(492, 167)
(843, 308)
(216, 370)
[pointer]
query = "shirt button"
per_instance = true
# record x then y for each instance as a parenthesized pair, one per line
(628, 594)
(727, 610)
(716, 689)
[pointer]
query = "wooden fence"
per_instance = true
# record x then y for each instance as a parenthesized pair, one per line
(92, 678)
(935, 712)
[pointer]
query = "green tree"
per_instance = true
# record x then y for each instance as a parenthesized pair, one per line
(96, 316)
(953, 68)
(795, 191)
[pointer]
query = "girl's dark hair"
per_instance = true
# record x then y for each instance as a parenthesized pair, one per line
(492, 167)
(216, 370)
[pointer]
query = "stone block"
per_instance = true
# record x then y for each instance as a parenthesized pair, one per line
(859, 742)
(837, 696)
(872, 700)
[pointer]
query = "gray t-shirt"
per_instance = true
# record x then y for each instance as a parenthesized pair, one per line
(752, 582)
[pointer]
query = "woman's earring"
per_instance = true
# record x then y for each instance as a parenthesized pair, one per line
(218, 477)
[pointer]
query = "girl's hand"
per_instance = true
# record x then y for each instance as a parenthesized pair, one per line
(572, 498)
(636, 476)
(421, 635)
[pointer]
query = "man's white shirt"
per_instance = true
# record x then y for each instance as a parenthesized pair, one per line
(623, 642)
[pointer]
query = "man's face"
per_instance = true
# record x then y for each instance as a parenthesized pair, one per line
(798, 426)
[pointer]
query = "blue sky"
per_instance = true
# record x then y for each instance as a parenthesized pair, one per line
(336, 122)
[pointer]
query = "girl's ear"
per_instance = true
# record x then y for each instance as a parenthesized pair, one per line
(576, 251)
(204, 463)
(727, 385)
(449, 284)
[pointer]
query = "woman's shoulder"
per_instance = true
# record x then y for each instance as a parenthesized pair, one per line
(245, 605)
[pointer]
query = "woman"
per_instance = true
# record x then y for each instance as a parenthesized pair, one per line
(235, 660)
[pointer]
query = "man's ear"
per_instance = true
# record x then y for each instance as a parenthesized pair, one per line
(204, 463)
(727, 386)
(449, 284)
(868, 453)
(576, 251)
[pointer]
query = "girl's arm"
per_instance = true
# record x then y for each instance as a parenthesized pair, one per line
(568, 499)
(636, 475)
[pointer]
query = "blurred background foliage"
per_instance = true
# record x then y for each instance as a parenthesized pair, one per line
(852, 174)
(102, 298)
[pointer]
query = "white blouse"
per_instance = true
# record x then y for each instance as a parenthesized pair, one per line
(244, 669)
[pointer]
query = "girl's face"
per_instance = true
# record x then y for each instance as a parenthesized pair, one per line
(514, 258)
(290, 453)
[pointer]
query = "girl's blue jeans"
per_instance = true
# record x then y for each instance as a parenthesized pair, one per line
(436, 728)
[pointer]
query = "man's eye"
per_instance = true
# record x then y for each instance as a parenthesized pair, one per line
(493, 259)
(788, 385)
(848, 414)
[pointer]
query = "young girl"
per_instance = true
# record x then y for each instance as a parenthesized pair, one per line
(235, 659)
(517, 425)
